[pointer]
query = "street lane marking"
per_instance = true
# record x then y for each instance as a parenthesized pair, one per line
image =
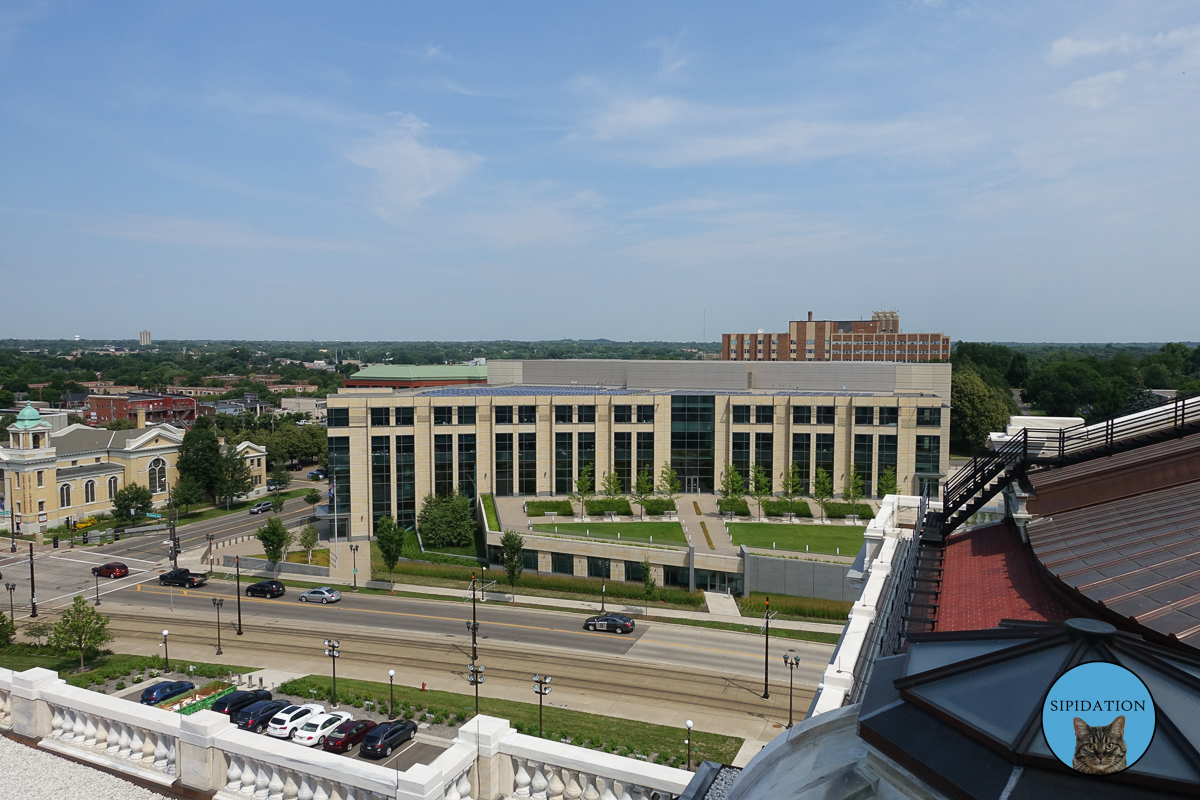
(79, 560)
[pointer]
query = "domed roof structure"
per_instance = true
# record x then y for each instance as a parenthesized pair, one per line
(29, 417)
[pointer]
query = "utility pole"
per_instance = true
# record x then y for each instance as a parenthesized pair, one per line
(237, 563)
(32, 588)
(171, 522)
(766, 648)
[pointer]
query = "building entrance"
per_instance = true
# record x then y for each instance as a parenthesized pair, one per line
(691, 485)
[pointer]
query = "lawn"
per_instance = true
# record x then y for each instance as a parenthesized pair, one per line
(665, 532)
(99, 668)
(829, 539)
(320, 558)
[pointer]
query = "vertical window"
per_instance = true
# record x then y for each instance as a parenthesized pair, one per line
(925, 483)
(928, 454)
(563, 415)
(466, 415)
(562, 563)
(740, 456)
(443, 464)
(381, 478)
(466, 463)
(527, 463)
(598, 567)
(741, 415)
(112, 487)
(622, 413)
(504, 415)
(337, 418)
(526, 415)
(381, 417)
(623, 458)
(89, 492)
(693, 425)
(564, 463)
(157, 476)
(764, 415)
(802, 457)
(823, 454)
(764, 447)
(826, 415)
(864, 446)
(645, 453)
(339, 471)
(406, 482)
(404, 415)
(864, 415)
(64, 495)
(801, 415)
(929, 417)
(504, 462)
(889, 415)
(645, 413)
(443, 415)
(887, 455)
(41, 479)
(633, 571)
(587, 455)
(587, 415)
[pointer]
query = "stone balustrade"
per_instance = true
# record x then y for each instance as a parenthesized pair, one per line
(204, 752)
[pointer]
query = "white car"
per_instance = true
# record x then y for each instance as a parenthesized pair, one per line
(317, 728)
(285, 724)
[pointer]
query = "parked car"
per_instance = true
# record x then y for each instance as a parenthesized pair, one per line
(381, 740)
(285, 723)
(261, 508)
(610, 622)
(256, 716)
(114, 569)
(272, 486)
(184, 578)
(317, 728)
(317, 475)
(322, 595)
(234, 702)
(343, 738)
(165, 690)
(266, 589)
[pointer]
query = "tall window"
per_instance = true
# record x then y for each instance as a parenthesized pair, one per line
(826, 415)
(527, 463)
(339, 471)
(112, 487)
(587, 454)
(41, 478)
(764, 415)
(929, 417)
(802, 457)
(622, 413)
(443, 464)
(504, 463)
(864, 446)
(89, 492)
(404, 415)
(645, 453)
(764, 445)
(381, 417)
(406, 482)
(801, 415)
(443, 415)
(465, 414)
(823, 454)
(623, 458)
(741, 415)
(64, 496)
(740, 455)
(928, 455)
(381, 478)
(587, 415)
(504, 416)
(887, 454)
(693, 420)
(466, 463)
(564, 462)
(157, 475)
(526, 415)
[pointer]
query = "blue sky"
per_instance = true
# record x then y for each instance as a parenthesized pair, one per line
(995, 171)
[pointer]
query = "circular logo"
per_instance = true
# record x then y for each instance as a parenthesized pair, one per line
(1098, 718)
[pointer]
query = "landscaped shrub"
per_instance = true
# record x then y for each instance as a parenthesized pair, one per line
(738, 507)
(814, 607)
(138, 679)
(599, 506)
(659, 505)
(538, 508)
(446, 521)
(408, 713)
(842, 510)
(358, 702)
(120, 685)
(489, 511)
(777, 508)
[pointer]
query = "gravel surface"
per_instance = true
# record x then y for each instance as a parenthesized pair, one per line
(31, 773)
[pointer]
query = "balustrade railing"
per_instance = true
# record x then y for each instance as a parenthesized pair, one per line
(5, 699)
(546, 770)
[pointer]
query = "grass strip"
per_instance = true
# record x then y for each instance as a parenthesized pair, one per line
(99, 668)
(829, 539)
(781, 633)
(665, 532)
(814, 609)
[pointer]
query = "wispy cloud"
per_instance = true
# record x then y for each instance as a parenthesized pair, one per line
(207, 233)
(427, 52)
(1069, 49)
(672, 57)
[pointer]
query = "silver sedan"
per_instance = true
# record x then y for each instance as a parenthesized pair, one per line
(323, 594)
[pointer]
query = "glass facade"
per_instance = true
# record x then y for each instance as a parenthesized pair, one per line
(404, 415)
(504, 463)
(675, 576)
(466, 465)
(562, 563)
(526, 415)
(864, 454)
(587, 455)
(889, 415)
(929, 455)
(764, 415)
(802, 415)
(337, 418)
(887, 455)
(406, 482)
(587, 415)
(645, 413)
(739, 456)
(864, 415)
(823, 454)
(764, 448)
(802, 456)
(713, 581)
(645, 453)
(381, 417)
(826, 415)
(599, 567)
(564, 463)
(443, 464)
(740, 415)
(443, 415)
(527, 463)
(622, 413)
(563, 415)
(929, 417)
(633, 571)
(623, 458)
(339, 472)
(381, 477)
(692, 440)
(504, 415)
(465, 414)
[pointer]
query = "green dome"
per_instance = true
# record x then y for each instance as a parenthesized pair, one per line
(29, 417)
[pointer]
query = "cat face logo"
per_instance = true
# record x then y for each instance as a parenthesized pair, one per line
(1098, 718)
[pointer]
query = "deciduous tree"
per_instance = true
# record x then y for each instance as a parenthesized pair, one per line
(732, 488)
(852, 492)
(390, 541)
(822, 490)
(643, 489)
(446, 521)
(649, 585)
(310, 537)
(200, 456)
(512, 545)
(281, 477)
(132, 502)
(274, 539)
(760, 488)
(793, 486)
(234, 476)
(7, 630)
(668, 484)
(80, 628)
(613, 490)
(978, 408)
(887, 482)
(188, 492)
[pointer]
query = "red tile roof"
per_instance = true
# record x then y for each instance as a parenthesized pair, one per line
(989, 576)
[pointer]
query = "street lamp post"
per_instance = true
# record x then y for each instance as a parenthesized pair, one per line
(689, 745)
(32, 587)
(473, 625)
(391, 694)
(12, 587)
(475, 677)
(354, 557)
(766, 647)
(791, 665)
(210, 538)
(166, 653)
(331, 650)
(541, 687)
(237, 565)
(217, 603)
(97, 577)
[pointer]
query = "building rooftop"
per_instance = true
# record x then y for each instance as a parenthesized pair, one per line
(422, 372)
(522, 390)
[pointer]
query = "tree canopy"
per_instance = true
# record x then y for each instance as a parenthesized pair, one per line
(446, 521)
(80, 628)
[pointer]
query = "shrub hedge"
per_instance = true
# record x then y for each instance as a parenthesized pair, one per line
(842, 510)
(659, 505)
(813, 607)
(599, 507)
(777, 508)
(738, 507)
(538, 508)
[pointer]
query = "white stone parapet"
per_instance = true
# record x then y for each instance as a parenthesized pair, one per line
(206, 753)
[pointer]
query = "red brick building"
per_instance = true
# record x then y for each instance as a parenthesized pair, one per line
(877, 339)
(141, 409)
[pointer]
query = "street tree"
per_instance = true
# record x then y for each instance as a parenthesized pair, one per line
(643, 489)
(310, 537)
(277, 502)
(200, 456)
(668, 484)
(234, 476)
(312, 497)
(760, 486)
(792, 487)
(613, 490)
(390, 540)
(281, 477)
(822, 491)
(649, 585)
(80, 628)
(512, 545)
(887, 481)
(188, 492)
(37, 631)
(274, 538)
(732, 488)
(132, 502)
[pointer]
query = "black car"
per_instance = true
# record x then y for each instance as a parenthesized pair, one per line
(610, 622)
(255, 716)
(234, 702)
(165, 690)
(182, 577)
(383, 739)
(266, 589)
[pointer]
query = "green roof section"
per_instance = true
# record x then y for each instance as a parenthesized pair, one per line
(28, 418)
(421, 372)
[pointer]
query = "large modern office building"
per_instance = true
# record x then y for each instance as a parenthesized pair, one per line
(536, 424)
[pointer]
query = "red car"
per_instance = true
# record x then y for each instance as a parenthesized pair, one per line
(114, 570)
(343, 738)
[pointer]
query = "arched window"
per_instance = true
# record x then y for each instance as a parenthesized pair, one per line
(89, 492)
(158, 476)
(112, 487)
(37, 441)
(64, 495)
